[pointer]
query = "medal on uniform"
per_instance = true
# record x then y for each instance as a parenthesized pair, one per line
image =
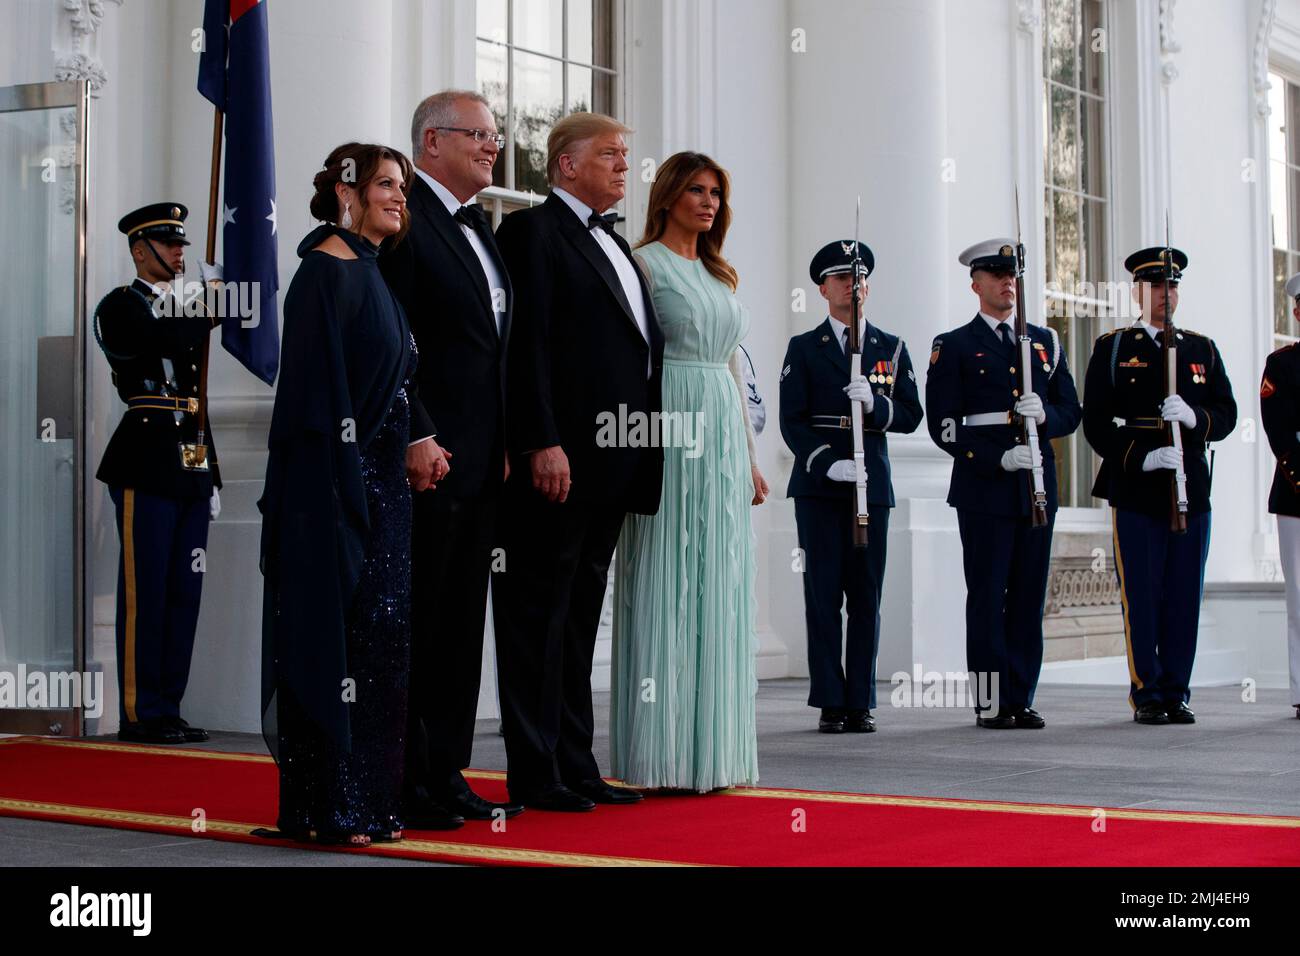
(1198, 373)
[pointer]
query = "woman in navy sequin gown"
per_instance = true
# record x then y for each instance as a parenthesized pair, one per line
(336, 532)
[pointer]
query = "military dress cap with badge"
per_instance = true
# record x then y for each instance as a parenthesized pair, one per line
(1128, 420)
(162, 488)
(973, 406)
(816, 423)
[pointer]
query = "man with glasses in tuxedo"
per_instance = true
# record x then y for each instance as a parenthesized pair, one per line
(452, 282)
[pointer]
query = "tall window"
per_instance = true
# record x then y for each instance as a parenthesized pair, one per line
(1284, 195)
(539, 60)
(1076, 175)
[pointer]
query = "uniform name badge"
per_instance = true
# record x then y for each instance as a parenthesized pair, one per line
(193, 457)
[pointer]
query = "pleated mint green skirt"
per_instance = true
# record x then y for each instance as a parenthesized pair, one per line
(683, 676)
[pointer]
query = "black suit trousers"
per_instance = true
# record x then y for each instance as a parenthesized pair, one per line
(451, 556)
(547, 604)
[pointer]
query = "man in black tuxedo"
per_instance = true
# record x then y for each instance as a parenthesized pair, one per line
(451, 281)
(585, 341)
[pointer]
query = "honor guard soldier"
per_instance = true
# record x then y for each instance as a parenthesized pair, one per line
(816, 392)
(161, 478)
(1128, 421)
(1279, 403)
(975, 409)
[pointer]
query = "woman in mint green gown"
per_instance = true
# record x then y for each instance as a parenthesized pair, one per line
(683, 680)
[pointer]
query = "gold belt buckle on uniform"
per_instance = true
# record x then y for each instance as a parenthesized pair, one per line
(193, 457)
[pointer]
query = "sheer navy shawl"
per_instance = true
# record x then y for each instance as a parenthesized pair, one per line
(343, 358)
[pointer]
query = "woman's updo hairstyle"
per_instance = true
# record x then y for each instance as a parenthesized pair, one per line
(356, 165)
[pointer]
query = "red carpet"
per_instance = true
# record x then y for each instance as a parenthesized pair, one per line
(169, 790)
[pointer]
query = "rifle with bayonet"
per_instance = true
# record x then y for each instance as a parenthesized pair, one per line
(1037, 488)
(1169, 354)
(854, 349)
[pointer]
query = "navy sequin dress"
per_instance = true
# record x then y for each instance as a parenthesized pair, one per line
(339, 743)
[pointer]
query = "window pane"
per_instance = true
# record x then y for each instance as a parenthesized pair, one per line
(1094, 267)
(1280, 214)
(1277, 118)
(539, 25)
(1283, 322)
(538, 105)
(580, 31)
(1049, 239)
(1093, 61)
(1092, 175)
(1293, 202)
(579, 89)
(1066, 209)
(1060, 33)
(1064, 132)
(603, 92)
(491, 69)
(492, 20)
(1291, 117)
(602, 31)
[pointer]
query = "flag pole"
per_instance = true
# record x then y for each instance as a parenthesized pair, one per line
(214, 189)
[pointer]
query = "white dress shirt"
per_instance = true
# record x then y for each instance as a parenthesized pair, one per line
(622, 264)
(496, 288)
(994, 323)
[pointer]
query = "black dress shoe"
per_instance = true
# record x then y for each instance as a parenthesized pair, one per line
(832, 721)
(1151, 713)
(427, 815)
(192, 735)
(153, 731)
(471, 806)
(860, 722)
(1297, 711)
(559, 799)
(1180, 713)
(1030, 718)
(1002, 720)
(598, 791)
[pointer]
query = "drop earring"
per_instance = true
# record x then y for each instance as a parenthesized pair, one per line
(346, 221)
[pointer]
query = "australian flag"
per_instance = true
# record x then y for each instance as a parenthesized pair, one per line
(235, 74)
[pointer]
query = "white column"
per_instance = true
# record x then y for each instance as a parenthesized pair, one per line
(868, 116)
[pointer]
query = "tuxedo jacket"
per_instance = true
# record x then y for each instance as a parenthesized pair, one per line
(578, 356)
(460, 396)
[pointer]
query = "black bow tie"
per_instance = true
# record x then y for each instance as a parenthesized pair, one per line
(471, 216)
(606, 222)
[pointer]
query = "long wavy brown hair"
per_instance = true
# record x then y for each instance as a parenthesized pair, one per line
(674, 177)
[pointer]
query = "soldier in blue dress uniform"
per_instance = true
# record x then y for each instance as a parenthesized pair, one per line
(975, 408)
(1127, 422)
(816, 392)
(162, 481)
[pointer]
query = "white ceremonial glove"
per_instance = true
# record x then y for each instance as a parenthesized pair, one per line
(1175, 409)
(844, 470)
(1031, 406)
(1020, 458)
(1166, 457)
(859, 390)
(210, 272)
(214, 504)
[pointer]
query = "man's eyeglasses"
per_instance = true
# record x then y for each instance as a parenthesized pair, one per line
(479, 135)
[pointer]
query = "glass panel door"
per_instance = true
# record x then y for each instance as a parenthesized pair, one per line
(43, 687)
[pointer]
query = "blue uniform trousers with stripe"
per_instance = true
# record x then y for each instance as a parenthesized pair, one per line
(1161, 576)
(159, 583)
